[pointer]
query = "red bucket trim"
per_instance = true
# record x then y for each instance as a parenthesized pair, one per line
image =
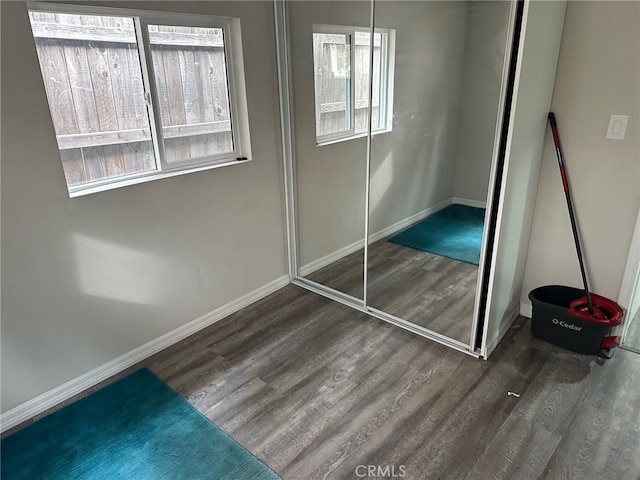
(612, 308)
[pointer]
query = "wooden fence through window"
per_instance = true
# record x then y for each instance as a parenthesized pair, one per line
(92, 75)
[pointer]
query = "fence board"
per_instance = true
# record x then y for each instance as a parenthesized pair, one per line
(328, 89)
(209, 83)
(140, 118)
(213, 75)
(93, 164)
(102, 90)
(361, 94)
(81, 140)
(193, 112)
(205, 85)
(220, 89)
(144, 155)
(80, 33)
(161, 84)
(190, 81)
(340, 106)
(114, 34)
(56, 81)
(175, 89)
(121, 88)
(113, 161)
(42, 17)
(66, 19)
(82, 165)
(177, 39)
(137, 88)
(219, 143)
(83, 106)
(123, 101)
(73, 166)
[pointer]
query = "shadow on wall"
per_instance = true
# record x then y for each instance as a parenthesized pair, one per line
(112, 293)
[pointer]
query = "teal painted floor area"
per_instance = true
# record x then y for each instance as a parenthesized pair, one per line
(136, 428)
(453, 232)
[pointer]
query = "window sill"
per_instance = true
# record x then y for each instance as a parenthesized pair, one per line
(147, 177)
(332, 141)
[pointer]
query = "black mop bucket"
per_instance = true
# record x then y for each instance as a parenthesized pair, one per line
(556, 320)
(573, 318)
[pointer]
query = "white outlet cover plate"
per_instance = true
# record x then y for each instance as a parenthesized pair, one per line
(617, 127)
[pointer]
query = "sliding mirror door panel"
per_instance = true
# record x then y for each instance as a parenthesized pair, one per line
(330, 79)
(438, 84)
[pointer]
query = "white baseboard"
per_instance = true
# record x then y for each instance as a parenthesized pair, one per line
(53, 397)
(509, 318)
(468, 202)
(374, 237)
(526, 310)
(322, 262)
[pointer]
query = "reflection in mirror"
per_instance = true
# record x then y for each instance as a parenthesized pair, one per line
(330, 91)
(430, 171)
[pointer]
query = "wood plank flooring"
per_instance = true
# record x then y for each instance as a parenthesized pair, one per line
(429, 290)
(316, 389)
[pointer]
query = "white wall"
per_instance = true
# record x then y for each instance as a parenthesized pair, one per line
(483, 69)
(88, 279)
(598, 75)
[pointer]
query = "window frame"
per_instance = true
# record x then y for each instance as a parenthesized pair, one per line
(387, 64)
(236, 87)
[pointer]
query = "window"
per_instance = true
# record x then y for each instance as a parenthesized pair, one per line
(136, 96)
(341, 58)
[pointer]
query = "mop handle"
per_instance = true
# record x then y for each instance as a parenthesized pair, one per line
(567, 194)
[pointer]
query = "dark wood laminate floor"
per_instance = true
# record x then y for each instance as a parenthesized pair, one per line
(316, 389)
(426, 289)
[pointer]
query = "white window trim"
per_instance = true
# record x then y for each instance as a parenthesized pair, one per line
(238, 105)
(387, 61)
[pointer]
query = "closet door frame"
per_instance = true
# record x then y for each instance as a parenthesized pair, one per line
(493, 190)
(534, 66)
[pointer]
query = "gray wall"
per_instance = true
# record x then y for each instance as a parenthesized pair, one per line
(412, 167)
(484, 64)
(598, 75)
(88, 279)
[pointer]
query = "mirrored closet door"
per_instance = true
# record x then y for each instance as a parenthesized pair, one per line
(329, 52)
(439, 79)
(394, 137)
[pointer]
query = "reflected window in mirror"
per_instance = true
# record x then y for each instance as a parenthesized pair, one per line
(341, 60)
